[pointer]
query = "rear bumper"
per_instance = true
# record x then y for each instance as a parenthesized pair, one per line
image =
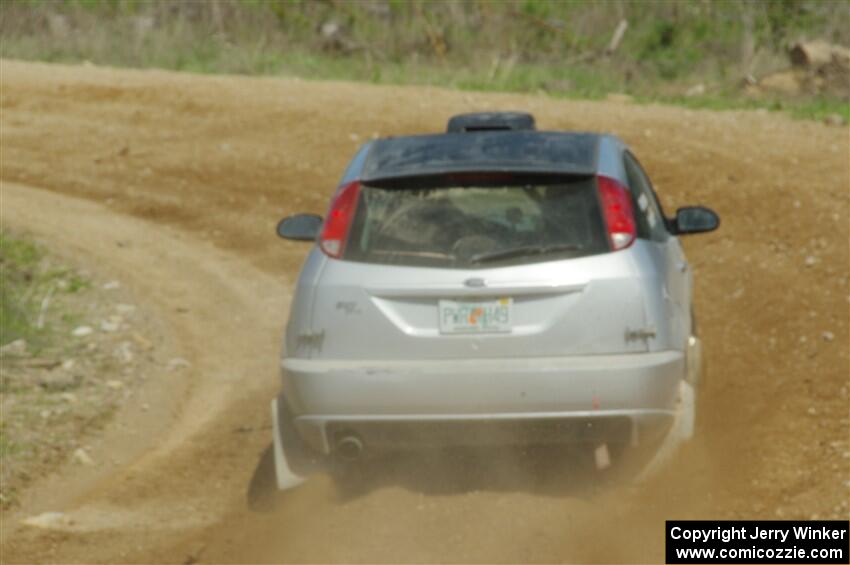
(475, 402)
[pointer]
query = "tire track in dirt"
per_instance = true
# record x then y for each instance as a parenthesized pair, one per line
(217, 160)
(218, 308)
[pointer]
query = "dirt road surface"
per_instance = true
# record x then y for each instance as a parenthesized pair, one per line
(174, 183)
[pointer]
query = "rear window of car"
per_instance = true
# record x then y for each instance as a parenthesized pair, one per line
(472, 222)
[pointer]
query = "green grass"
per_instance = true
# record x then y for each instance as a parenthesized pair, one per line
(7, 446)
(818, 109)
(805, 109)
(537, 46)
(19, 260)
(495, 75)
(27, 277)
(31, 441)
(575, 82)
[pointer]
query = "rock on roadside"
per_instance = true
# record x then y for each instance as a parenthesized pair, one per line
(49, 521)
(17, 348)
(80, 456)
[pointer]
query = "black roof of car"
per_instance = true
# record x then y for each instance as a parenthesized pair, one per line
(521, 151)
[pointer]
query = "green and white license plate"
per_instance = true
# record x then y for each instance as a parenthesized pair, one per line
(472, 317)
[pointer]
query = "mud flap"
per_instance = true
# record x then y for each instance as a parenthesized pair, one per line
(286, 477)
(681, 431)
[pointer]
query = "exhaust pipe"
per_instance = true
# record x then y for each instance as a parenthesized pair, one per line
(349, 448)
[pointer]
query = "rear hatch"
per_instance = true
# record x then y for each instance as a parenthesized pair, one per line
(469, 264)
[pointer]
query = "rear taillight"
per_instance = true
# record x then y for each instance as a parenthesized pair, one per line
(338, 222)
(618, 211)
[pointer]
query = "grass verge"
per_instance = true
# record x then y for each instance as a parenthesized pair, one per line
(29, 286)
(51, 380)
(542, 46)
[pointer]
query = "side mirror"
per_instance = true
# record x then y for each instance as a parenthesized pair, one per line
(695, 219)
(300, 227)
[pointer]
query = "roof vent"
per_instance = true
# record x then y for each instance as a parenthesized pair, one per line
(491, 121)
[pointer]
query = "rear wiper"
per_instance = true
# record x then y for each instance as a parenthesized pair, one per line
(524, 250)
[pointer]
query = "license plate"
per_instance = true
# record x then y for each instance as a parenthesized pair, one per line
(472, 317)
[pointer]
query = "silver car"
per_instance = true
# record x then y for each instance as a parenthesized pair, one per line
(493, 285)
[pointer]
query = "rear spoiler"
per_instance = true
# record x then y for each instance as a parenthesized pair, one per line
(472, 176)
(516, 152)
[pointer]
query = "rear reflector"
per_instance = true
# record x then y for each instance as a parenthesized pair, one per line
(338, 222)
(618, 211)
